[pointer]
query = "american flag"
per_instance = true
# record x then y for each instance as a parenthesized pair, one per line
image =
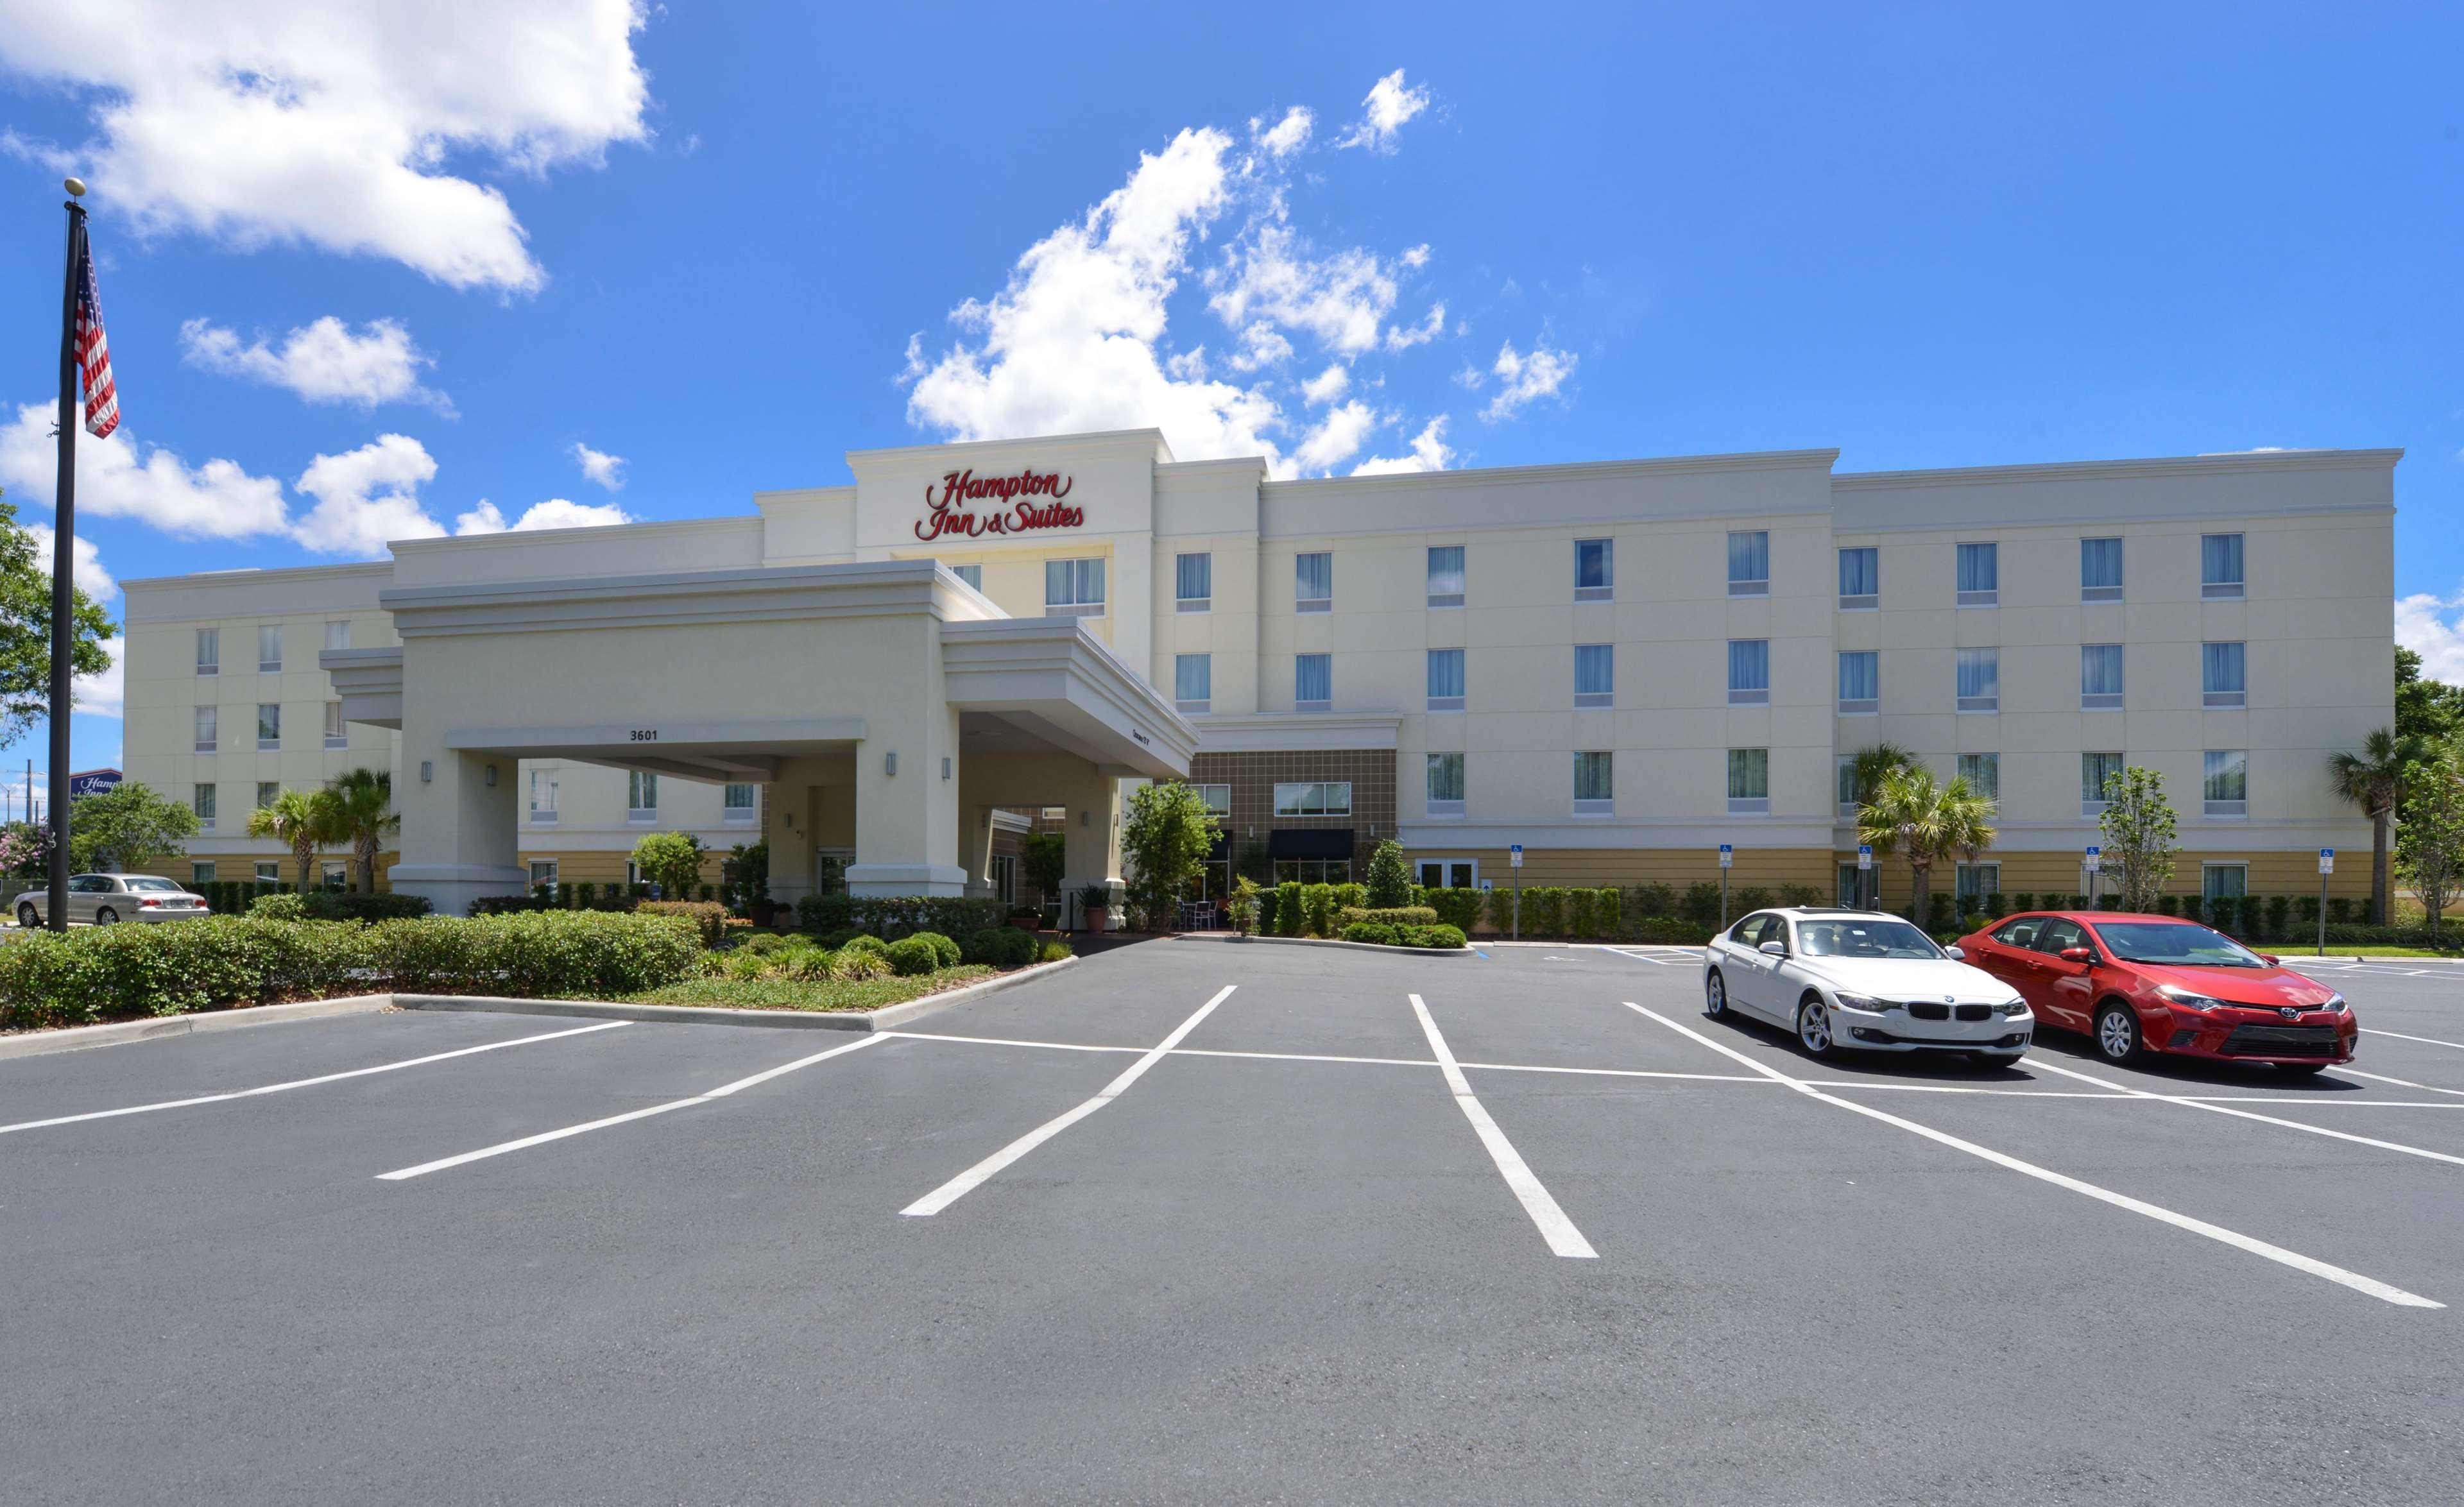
(93, 352)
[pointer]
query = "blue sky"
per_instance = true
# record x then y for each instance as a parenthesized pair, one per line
(725, 244)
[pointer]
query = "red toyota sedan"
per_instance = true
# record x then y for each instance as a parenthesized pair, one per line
(2137, 984)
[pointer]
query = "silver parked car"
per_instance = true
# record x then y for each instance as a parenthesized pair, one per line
(107, 899)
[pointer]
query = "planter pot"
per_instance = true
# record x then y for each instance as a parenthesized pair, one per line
(1094, 923)
(1027, 923)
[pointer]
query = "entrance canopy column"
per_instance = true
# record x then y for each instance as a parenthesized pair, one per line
(461, 840)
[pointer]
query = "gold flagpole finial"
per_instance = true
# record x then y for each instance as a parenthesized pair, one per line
(74, 185)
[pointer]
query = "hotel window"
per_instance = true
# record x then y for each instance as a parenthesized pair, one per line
(1218, 800)
(545, 784)
(1749, 672)
(1749, 782)
(2101, 677)
(1980, 575)
(1595, 570)
(1313, 582)
(337, 736)
(1073, 588)
(333, 876)
(1446, 576)
(269, 646)
(206, 719)
(2224, 880)
(1983, 772)
(736, 806)
(2220, 578)
(1749, 564)
(1846, 795)
(201, 872)
(2095, 771)
(1192, 681)
(1193, 583)
(268, 792)
(1445, 784)
(971, 575)
(1594, 784)
(203, 803)
(544, 874)
(1861, 579)
(1860, 683)
(641, 796)
(268, 871)
(1445, 679)
(1313, 682)
(1980, 680)
(209, 651)
(1595, 675)
(2227, 782)
(1446, 873)
(337, 634)
(2099, 570)
(2220, 676)
(1326, 797)
(268, 725)
(1974, 882)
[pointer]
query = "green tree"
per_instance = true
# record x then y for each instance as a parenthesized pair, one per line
(2136, 829)
(2374, 781)
(2429, 710)
(1867, 768)
(25, 632)
(1390, 878)
(1923, 822)
(302, 820)
(1045, 856)
(365, 816)
(125, 826)
(1165, 841)
(670, 861)
(2430, 846)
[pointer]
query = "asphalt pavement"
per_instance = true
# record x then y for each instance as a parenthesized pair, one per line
(1194, 1221)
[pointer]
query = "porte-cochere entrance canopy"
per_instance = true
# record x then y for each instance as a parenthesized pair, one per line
(887, 706)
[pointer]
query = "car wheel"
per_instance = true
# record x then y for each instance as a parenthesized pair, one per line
(2301, 1069)
(107, 917)
(1813, 1026)
(1715, 996)
(2117, 1033)
(27, 916)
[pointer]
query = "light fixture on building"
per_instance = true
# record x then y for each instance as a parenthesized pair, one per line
(889, 763)
(945, 765)
(426, 771)
(492, 774)
(1087, 819)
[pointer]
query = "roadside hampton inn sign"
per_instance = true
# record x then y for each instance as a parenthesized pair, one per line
(1026, 500)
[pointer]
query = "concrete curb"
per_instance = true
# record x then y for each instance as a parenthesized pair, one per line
(1358, 947)
(887, 1018)
(73, 1038)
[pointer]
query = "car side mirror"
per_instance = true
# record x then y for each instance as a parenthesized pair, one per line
(2079, 954)
(1775, 948)
(1956, 954)
(2268, 958)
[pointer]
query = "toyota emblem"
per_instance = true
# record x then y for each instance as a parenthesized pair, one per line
(2288, 1011)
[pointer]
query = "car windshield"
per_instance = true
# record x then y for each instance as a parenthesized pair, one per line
(2183, 944)
(154, 887)
(1864, 939)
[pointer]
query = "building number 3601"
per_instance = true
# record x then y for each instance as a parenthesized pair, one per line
(645, 734)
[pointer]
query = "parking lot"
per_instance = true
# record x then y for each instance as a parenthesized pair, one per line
(1197, 1221)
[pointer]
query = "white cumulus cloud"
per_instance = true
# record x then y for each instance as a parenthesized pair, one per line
(1273, 274)
(607, 471)
(121, 478)
(1429, 452)
(1328, 384)
(368, 496)
(346, 127)
(1526, 378)
(103, 694)
(1286, 135)
(1389, 105)
(2432, 627)
(554, 513)
(86, 562)
(322, 361)
(1338, 438)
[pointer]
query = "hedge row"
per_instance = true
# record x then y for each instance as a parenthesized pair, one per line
(118, 972)
(891, 917)
(1387, 933)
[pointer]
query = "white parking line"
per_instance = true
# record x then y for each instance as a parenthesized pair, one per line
(2244, 1114)
(982, 1172)
(2371, 1285)
(482, 1154)
(2400, 1082)
(303, 1082)
(2457, 1047)
(1563, 1238)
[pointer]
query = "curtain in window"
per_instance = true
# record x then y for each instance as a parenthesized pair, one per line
(1194, 578)
(2220, 668)
(2099, 563)
(1749, 663)
(1446, 672)
(1594, 669)
(2095, 769)
(1861, 676)
(1983, 772)
(1193, 677)
(2225, 880)
(1447, 571)
(1073, 583)
(1594, 564)
(1749, 556)
(1980, 673)
(1594, 777)
(2220, 559)
(1445, 776)
(2101, 669)
(1750, 774)
(1313, 578)
(2226, 774)
(1980, 567)
(1860, 572)
(1314, 677)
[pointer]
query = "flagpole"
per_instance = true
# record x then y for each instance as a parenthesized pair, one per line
(56, 902)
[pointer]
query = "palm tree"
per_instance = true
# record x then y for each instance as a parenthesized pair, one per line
(1868, 767)
(302, 820)
(363, 814)
(2374, 779)
(1925, 821)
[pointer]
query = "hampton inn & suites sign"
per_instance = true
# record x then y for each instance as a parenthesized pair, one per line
(1026, 500)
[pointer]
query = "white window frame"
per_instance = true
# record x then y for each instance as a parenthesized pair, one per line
(202, 800)
(334, 875)
(1460, 678)
(2093, 805)
(1978, 703)
(1843, 777)
(972, 573)
(1591, 699)
(1079, 575)
(209, 651)
(1749, 696)
(1198, 603)
(2213, 699)
(337, 633)
(745, 814)
(546, 871)
(267, 791)
(337, 732)
(1324, 604)
(268, 871)
(1996, 794)
(1606, 591)
(639, 782)
(2112, 593)
(546, 780)
(209, 728)
(2209, 868)
(273, 666)
(1746, 805)
(264, 744)
(2224, 809)
(1980, 596)
(2233, 590)
(1321, 791)
(1595, 805)
(1217, 798)
(1443, 865)
(1325, 703)
(1739, 586)
(1976, 893)
(1860, 706)
(1438, 807)
(1862, 600)
(1461, 575)
(2104, 700)
(201, 871)
(1205, 664)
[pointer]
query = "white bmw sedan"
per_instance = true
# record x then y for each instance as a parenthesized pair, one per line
(1861, 980)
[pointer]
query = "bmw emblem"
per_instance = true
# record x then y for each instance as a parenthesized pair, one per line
(1950, 999)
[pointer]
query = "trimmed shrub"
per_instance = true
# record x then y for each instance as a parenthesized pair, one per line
(910, 956)
(894, 916)
(1290, 913)
(1582, 912)
(1390, 878)
(1319, 901)
(2340, 910)
(1456, 907)
(1610, 910)
(853, 965)
(2279, 914)
(2024, 900)
(1995, 909)
(709, 917)
(1701, 905)
(280, 905)
(1266, 905)
(1393, 916)
(1802, 895)
(1381, 933)
(1439, 936)
(1651, 899)
(1669, 932)
(1942, 912)
(2168, 904)
(1501, 909)
(1000, 946)
(1544, 911)
(1749, 898)
(945, 952)
(863, 942)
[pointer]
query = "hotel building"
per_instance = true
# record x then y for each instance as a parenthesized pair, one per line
(1620, 665)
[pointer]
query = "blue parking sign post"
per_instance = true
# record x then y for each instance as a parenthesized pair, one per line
(1864, 877)
(2095, 870)
(1514, 862)
(1727, 856)
(2326, 867)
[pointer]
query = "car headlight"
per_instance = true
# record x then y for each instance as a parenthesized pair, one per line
(2336, 1003)
(1849, 1001)
(2188, 999)
(2012, 1007)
